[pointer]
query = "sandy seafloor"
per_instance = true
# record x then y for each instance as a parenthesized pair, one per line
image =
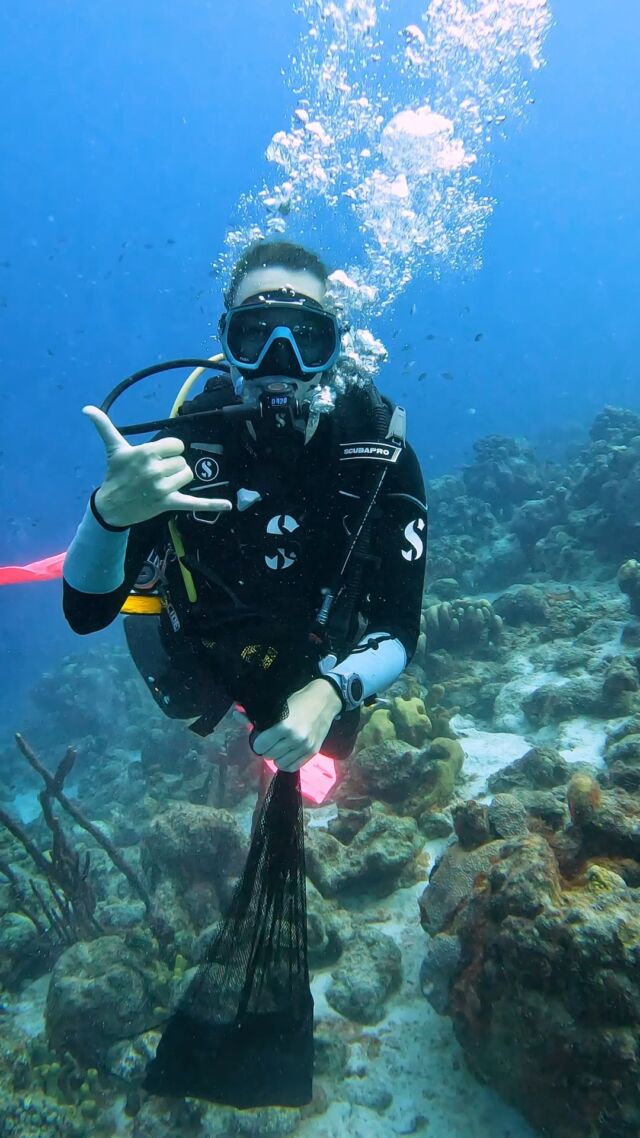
(418, 1058)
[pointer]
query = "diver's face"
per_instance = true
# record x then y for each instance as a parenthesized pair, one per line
(280, 359)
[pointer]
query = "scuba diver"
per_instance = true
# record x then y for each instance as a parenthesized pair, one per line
(278, 524)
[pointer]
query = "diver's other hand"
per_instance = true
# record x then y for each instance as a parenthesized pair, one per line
(299, 737)
(144, 481)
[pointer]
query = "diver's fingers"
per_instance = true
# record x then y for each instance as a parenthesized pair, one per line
(256, 744)
(183, 502)
(293, 759)
(176, 465)
(265, 742)
(110, 435)
(164, 448)
(285, 751)
(167, 484)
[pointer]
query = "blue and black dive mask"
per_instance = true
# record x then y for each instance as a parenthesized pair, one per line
(269, 329)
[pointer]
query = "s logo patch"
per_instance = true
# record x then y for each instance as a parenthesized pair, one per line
(206, 469)
(284, 556)
(412, 533)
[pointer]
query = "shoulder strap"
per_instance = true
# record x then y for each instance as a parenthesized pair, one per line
(218, 392)
(382, 420)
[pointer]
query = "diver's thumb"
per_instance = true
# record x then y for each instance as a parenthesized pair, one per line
(108, 432)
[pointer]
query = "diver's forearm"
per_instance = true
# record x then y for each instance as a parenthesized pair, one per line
(95, 561)
(378, 660)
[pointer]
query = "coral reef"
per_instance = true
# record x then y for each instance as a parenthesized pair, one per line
(191, 856)
(101, 982)
(461, 622)
(373, 861)
(511, 514)
(406, 755)
(369, 971)
(629, 582)
(416, 781)
(534, 957)
(505, 473)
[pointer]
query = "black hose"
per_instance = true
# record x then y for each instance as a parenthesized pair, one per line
(154, 369)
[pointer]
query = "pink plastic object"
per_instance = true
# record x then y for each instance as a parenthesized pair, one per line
(49, 569)
(317, 777)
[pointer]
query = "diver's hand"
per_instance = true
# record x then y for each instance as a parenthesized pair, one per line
(299, 737)
(144, 481)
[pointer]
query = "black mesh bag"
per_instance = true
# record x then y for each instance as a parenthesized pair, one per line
(243, 1032)
(242, 1035)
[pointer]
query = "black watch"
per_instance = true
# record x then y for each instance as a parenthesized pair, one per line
(349, 688)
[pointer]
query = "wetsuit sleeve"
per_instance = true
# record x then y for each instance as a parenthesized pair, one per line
(103, 566)
(400, 543)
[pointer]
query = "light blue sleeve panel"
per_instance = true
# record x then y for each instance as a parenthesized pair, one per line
(95, 559)
(378, 659)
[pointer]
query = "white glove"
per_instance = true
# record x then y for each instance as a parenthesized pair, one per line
(144, 481)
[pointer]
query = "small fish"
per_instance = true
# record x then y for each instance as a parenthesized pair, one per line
(465, 310)
(213, 272)
(395, 334)
(120, 258)
(478, 337)
(3, 302)
(148, 245)
(423, 375)
(170, 241)
(409, 365)
(413, 309)
(405, 347)
(471, 410)
(50, 352)
(5, 264)
(431, 336)
(446, 375)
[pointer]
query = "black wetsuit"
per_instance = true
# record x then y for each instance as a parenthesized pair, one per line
(259, 570)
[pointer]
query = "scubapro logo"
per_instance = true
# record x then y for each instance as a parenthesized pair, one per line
(412, 533)
(284, 556)
(206, 469)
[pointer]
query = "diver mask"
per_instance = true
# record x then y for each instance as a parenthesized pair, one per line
(279, 344)
(270, 334)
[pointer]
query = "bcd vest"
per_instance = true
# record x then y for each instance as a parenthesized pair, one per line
(295, 508)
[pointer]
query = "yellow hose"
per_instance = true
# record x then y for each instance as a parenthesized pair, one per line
(176, 538)
(188, 384)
